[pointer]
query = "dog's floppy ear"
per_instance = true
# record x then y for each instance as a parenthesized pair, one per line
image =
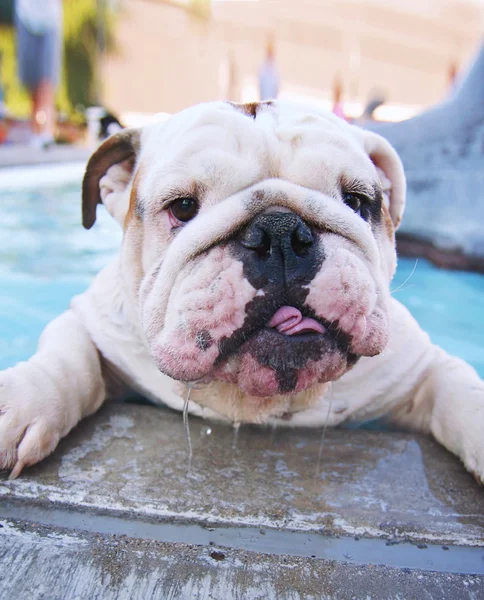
(390, 170)
(108, 174)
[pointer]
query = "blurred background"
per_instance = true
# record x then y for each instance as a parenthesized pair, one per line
(403, 50)
(139, 57)
(72, 72)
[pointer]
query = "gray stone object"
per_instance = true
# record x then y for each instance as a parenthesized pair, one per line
(117, 513)
(442, 150)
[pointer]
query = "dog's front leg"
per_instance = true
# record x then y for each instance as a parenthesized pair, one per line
(42, 399)
(449, 403)
(457, 419)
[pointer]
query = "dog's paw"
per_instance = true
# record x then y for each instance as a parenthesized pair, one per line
(476, 468)
(30, 427)
(479, 480)
(473, 458)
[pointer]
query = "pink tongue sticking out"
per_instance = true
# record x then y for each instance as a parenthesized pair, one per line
(289, 321)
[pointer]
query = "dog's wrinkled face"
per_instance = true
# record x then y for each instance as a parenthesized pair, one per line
(258, 241)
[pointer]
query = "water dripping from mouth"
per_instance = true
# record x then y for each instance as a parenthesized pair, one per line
(186, 426)
(198, 384)
(235, 439)
(191, 385)
(273, 432)
(325, 427)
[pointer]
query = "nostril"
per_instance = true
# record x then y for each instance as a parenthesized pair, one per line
(258, 240)
(303, 234)
(302, 239)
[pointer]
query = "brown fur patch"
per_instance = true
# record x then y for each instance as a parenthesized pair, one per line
(250, 108)
(387, 221)
(133, 212)
(133, 238)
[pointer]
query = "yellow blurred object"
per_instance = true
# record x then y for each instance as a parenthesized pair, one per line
(199, 8)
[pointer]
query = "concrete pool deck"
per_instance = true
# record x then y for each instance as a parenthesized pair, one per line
(116, 513)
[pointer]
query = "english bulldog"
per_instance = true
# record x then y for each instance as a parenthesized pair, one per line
(254, 273)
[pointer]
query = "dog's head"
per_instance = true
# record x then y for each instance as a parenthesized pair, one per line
(258, 242)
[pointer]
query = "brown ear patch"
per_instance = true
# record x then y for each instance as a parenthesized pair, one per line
(250, 108)
(387, 221)
(385, 158)
(135, 210)
(118, 148)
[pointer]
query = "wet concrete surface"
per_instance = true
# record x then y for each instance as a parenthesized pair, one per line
(41, 563)
(383, 515)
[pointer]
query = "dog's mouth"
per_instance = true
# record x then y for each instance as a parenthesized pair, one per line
(292, 325)
(291, 351)
(289, 321)
(282, 347)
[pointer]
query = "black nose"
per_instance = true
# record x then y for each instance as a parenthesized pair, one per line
(278, 248)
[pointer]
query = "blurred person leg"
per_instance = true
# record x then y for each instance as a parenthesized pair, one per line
(268, 74)
(338, 107)
(39, 51)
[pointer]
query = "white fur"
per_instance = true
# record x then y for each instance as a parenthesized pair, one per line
(286, 155)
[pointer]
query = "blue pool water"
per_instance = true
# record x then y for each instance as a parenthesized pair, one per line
(46, 257)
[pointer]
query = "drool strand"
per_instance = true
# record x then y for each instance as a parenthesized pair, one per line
(186, 425)
(325, 427)
(235, 438)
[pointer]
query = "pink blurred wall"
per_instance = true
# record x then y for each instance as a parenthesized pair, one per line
(167, 59)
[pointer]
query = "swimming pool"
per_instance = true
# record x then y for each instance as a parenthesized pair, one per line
(46, 257)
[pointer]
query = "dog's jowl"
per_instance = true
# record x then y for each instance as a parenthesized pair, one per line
(257, 255)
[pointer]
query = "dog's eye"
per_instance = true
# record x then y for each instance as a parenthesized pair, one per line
(184, 209)
(356, 202)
